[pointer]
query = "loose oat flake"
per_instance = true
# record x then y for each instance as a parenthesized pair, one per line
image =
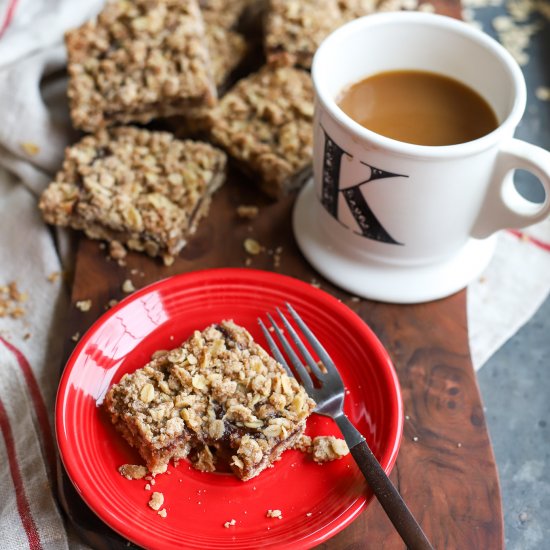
(132, 471)
(30, 148)
(252, 246)
(128, 286)
(247, 212)
(157, 500)
(228, 524)
(83, 305)
(11, 300)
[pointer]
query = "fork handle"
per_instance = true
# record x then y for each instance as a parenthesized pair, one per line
(384, 490)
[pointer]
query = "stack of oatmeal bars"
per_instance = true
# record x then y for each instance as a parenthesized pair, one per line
(140, 61)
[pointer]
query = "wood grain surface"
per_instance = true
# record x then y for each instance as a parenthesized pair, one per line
(446, 469)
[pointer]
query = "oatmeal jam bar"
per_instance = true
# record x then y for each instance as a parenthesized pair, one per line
(227, 50)
(225, 13)
(265, 123)
(137, 61)
(296, 28)
(143, 189)
(219, 399)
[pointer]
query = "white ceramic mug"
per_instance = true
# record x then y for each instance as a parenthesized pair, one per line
(408, 223)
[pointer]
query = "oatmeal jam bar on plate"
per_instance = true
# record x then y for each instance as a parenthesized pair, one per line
(197, 508)
(217, 398)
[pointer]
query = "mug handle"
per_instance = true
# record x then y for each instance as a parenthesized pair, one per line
(504, 207)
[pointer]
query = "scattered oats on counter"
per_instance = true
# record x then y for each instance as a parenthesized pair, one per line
(75, 337)
(277, 256)
(117, 250)
(542, 93)
(30, 148)
(128, 286)
(247, 212)
(157, 500)
(12, 300)
(54, 276)
(83, 305)
(252, 246)
(132, 471)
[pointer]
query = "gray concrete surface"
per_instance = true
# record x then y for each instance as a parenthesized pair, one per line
(515, 382)
(515, 386)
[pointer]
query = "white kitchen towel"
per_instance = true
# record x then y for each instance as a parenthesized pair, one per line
(34, 129)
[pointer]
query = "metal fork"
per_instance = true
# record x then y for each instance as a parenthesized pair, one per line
(330, 400)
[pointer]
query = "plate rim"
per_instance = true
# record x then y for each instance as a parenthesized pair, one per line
(206, 275)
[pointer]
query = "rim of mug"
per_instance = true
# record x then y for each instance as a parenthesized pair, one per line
(429, 151)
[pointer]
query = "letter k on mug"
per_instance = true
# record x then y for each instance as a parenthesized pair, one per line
(413, 157)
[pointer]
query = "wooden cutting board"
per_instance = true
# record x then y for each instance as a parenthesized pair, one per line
(446, 469)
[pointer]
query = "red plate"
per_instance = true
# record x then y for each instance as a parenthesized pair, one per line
(316, 501)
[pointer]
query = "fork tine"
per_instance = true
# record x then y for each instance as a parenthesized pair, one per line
(274, 349)
(312, 339)
(303, 375)
(303, 350)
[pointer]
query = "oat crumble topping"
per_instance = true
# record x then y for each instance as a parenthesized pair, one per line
(295, 28)
(137, 61)
(132, 471)
(327, 448)
(274, 514)
(162, 513)
(225, 13)
(265, 123)
(228, 524)
(146, 190)
(218, 397)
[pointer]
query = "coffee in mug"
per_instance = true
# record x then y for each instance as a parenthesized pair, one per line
(418, 107)
(406, 222)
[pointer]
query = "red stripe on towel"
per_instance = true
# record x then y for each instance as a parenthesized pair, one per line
(21, 498)
(40, 409)
(9, 16)
(534, 240)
